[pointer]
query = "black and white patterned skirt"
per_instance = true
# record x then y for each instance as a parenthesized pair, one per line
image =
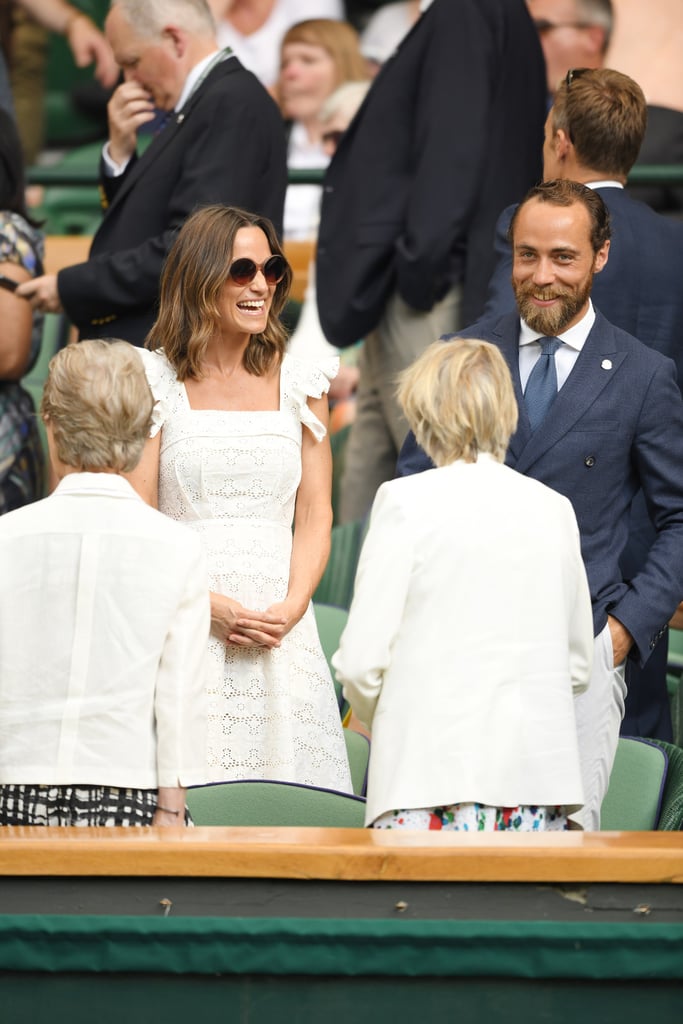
(76, 805)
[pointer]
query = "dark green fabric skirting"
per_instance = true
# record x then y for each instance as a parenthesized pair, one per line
(279, 946)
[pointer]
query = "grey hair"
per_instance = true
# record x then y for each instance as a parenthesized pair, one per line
(148, 17)
(597, 12)
(99, 405)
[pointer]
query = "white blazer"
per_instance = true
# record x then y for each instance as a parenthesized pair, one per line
(469, 632)
(104, 621)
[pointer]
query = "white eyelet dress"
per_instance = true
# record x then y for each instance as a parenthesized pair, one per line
(233, 477)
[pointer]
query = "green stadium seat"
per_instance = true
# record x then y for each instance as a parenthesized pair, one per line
(271, 804)
(634, 797)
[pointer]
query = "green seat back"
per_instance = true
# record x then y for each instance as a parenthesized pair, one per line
(674, 685)
(72, 210)
(55, 330)
(634, 796)
(675, 658)
(358, 752)
(336, 585)
(338, 442)
(331, 622)
(671, 816)
(266, 804)
(66, 125)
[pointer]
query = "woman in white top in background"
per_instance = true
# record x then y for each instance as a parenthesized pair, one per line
(254, 29)
(470, 628)
(317, 57)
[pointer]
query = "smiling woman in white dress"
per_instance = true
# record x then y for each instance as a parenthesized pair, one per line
(239, 451)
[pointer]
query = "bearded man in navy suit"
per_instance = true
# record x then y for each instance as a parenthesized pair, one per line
(593, 135)
(614, 426)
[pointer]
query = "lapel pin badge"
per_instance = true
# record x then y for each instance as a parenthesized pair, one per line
(606, 364)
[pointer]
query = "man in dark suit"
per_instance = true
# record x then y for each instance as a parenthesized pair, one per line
(593, 134)
(612, 424)
(223, 143)
(448, 133)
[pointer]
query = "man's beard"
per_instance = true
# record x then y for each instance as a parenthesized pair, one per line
(554, 319)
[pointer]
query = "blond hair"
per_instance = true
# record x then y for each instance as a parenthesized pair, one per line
(99, 406)
(459, 400)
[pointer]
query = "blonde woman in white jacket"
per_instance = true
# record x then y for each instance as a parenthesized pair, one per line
(471, 628)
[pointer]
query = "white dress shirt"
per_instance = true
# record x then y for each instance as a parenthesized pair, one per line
(104, 619)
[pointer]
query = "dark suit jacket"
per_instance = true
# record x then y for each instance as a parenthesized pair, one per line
(450, 131)
(615, 426)
(227, 146)
(639, 290)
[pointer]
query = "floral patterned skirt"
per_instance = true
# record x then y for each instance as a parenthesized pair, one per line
(473, 817)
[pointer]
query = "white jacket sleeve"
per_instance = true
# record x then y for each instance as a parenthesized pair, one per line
(581, 643)
(382, 580)
(180, 700)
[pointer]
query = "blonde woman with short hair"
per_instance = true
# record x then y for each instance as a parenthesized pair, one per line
(104, 616)
(470, 628)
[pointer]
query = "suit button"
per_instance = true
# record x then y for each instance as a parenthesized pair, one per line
(329, 189)
(589, 461)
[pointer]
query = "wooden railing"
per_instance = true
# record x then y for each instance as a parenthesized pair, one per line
(344, 854)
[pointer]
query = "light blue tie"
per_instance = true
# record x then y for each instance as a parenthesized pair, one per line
(541, 387)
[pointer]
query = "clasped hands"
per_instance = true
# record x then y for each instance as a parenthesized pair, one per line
(234, 624)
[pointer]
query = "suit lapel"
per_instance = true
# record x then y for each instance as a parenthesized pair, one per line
(595, 367)
(506, 337)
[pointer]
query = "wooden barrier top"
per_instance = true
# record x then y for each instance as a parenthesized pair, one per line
(344, 854)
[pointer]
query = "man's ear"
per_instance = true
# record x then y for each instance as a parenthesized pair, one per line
(177, 38)
(562, 144)
(601, 257)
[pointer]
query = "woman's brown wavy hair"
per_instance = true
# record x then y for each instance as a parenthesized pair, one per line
(194, 273)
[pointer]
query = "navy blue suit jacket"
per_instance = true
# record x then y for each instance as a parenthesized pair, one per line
(450, 133)
(616, 426)
(640, 288)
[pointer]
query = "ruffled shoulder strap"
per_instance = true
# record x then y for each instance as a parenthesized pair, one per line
(301, 380)
(164, 385)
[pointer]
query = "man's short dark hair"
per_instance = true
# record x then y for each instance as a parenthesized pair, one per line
(562, 192)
